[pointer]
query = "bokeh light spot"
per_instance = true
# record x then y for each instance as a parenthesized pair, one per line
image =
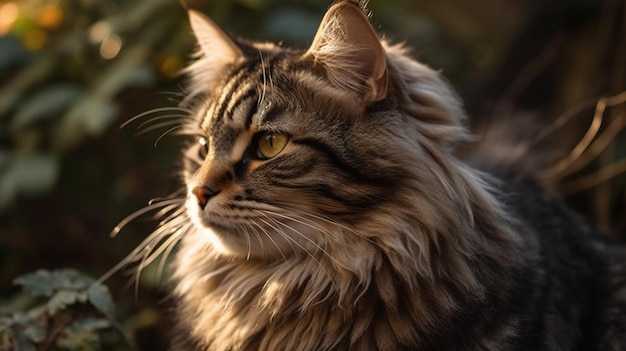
(171, 66)
(9, 12)
(50, 17)
(99, 31)
(110, 47)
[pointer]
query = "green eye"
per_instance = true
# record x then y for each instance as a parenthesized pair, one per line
(203, 151)
(271, 144)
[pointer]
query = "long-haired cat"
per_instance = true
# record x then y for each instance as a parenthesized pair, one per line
(325, 209)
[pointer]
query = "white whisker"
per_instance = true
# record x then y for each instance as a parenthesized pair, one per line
(153, 111)
(254, 227)
(243, 229)
(262, 97)
(167, 132)
(138, 271)
(312, 225)
(305, 237)
(141, 212)
(269, 236)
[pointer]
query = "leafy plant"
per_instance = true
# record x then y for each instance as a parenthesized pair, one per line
(70, 311)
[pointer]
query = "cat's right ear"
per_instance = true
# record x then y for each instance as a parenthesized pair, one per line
(349, 49)
(215, 45)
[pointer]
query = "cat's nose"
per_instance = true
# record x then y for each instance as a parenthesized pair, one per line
(203, 194)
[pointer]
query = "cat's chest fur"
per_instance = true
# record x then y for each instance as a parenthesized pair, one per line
(551, 297)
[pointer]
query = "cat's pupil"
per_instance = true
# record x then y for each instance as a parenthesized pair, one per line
(271, 144)
(204, 148)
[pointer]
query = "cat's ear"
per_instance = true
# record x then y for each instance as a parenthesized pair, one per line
(350, 51)
(216, 45)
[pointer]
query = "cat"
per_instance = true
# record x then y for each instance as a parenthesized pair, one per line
(325, 209)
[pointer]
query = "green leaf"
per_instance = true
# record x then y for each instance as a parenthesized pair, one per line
(90, 116)
(35, 330)
(21, 330)
(61, 299)
(100, 298)
(30, 174)
(39, 283)
(69, 278)
(45, 104)
(127, 73)
(46, 283)
(11, 93)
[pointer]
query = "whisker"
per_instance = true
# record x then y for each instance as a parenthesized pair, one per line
(245, 231)
(160, 118)
(140, 269)
(173, 195)
(164, 247)
(262, 97)
(166, 133)
(289, 239)
(272, 239)
(156, 110)
(315, 215)
(324, 251)
(158, 126)
(141, 212)
(258, 235)
(176, 94)
(143, 251)
(312, 225)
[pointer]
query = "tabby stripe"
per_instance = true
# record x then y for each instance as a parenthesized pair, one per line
(253, 110)
(325, 149)
(234, 86)
(239, 100)
(289, 171)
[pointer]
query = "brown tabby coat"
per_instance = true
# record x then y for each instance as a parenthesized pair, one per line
(325, 210)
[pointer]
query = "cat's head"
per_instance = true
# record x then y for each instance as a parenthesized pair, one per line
(299, 151)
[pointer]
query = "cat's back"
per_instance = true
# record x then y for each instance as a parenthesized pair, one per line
(578, 272)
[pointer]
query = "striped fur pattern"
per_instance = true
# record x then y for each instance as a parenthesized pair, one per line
(364, 232)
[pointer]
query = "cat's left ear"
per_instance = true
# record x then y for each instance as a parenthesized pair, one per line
(350, 51)
(216, 45)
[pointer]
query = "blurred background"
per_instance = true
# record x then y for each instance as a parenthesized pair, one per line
(73, 71)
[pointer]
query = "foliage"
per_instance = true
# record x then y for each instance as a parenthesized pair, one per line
(72, 312)
(66, 65)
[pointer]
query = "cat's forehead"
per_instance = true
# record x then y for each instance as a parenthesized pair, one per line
(256, 86)
(240, 98)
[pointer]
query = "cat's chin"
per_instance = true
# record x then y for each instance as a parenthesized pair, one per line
(264, 243)
(227, 241)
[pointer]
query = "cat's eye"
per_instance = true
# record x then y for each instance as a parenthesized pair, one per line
(203, 150)
(271, 144)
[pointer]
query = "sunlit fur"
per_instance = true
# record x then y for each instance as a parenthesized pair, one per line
(364, 233)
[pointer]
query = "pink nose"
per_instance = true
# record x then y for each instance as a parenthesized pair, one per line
(203, 194)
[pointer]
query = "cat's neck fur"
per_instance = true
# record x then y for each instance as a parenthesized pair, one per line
(431, 249)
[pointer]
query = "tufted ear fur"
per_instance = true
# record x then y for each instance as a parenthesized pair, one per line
(216, 52)
(350, 51)
(214, 43)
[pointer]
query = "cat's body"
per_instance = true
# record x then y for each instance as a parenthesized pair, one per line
(327, 211)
